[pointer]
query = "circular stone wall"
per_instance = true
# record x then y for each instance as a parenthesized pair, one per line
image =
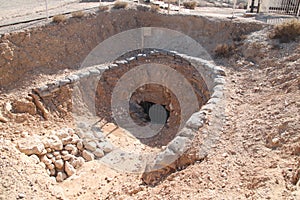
(152, 93)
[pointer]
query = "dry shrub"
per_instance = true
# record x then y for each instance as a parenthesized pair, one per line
(190, 5)
(242, 6)
(59, 18)
(103, 8)
(78, 14)
(154, 8)
(223, 50)
(120, 5)
(287, 31)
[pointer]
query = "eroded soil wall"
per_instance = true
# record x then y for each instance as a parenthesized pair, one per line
(53, 47)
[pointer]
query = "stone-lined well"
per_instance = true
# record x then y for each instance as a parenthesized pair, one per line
(178, 152)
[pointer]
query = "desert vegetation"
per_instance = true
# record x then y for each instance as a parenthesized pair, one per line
(78, 14)
(190, 5)
(287, 31)
(120, 4)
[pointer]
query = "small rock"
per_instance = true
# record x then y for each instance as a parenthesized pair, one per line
(80, 145)
(51, 166)
(75, 139)
(91, 146)
(70, 170)
(223, 174)
(74, 163)
(59, 177)
(89, 135)
(49, 155)
(71, 148)
(275, 141)
(54, 143)
(43, 165)
(52, 180)
(58, 157)
(98, 135)
(67, 157)
(35, 158)
(59, 164)
(64, 152)
(62, 134)
(44, 152)
(56, 153)
(3, 119)
(88, 156)
(32, 145)
(98, 153)
(21, 195)
(105, 146)
(67, 140)
(64, 175)
(225, 155)
(52, 172)
(80, 133)
(75, 152)
(49, 150)
(78, 162)
(24, 134)
(46, 160)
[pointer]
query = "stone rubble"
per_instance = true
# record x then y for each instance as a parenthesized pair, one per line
(63, 151)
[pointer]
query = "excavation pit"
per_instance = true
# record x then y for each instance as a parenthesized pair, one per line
(165, 151)
(87, 92)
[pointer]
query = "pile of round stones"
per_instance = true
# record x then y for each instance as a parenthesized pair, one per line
(64, 151)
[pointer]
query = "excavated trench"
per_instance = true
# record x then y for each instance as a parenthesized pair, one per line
(66, 45)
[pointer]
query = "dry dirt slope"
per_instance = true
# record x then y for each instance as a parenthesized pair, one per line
(257, 156)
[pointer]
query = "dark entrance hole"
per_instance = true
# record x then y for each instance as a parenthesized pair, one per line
(155, 113)
(149, 112)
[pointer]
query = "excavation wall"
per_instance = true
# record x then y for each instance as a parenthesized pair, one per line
(53, 47)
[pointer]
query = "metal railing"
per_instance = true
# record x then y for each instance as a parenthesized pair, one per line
(289, 7)
(285, 7)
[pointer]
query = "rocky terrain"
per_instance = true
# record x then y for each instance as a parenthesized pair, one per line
(45, 156)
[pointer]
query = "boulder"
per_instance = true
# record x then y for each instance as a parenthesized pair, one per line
(59, 164)
(105, 146)
(70, 170)
(35, 158)
(32, 145)
(45, 160)
(88, 156)
(60, 176)
(53, 142)
(80, 145)
(98, 153)
(91, 146)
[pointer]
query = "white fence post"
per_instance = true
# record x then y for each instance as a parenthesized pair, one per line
(47, 13)
(298, 12)
(233, 8)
